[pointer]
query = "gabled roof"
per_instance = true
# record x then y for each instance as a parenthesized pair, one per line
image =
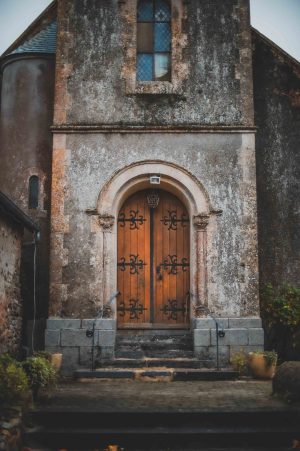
(42, 42)
(278, 51)
(39, 37)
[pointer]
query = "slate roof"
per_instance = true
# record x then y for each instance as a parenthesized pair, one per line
(43, 42)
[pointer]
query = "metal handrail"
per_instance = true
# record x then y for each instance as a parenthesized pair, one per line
(220, 332)
(90, 333)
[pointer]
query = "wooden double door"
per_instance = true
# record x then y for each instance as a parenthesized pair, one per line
(153, 261)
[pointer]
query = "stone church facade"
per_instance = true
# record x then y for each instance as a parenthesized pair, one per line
(153, 223)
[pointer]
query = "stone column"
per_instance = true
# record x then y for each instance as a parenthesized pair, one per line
(200, 224)
(106, 224)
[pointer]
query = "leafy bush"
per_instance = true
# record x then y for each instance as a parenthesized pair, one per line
(239, 361)
(40, 373)
(44, 354)
(14, 386)
(280, 307)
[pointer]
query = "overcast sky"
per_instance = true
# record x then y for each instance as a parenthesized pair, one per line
(277, 19)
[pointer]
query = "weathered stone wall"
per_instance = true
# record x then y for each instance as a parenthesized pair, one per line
(225, 166)
(10, 295)
(92, 54)
(277, 116)
(27, 96)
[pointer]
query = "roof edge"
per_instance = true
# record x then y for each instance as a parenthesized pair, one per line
(51, 9)
(289, 59)
(18, 215)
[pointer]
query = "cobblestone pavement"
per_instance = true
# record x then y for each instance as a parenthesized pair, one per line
(127, 395)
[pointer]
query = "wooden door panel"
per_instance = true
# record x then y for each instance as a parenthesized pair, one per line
(133, 261)
(153, 262)
(171, 290)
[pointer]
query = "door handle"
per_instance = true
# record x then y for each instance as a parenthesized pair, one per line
(158, 272)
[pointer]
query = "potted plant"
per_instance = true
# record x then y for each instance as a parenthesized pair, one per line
(239, 362)
(262, 364)
(55, 358)
(40, 372)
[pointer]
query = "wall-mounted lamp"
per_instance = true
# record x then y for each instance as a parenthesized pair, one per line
(154, 179)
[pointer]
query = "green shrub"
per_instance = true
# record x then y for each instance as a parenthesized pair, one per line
(239, 362)
(280, 308)
(14, 388)
(40, 373)
(44, 354)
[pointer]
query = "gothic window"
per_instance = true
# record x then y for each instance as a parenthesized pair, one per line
(33, 192)
(154, 39)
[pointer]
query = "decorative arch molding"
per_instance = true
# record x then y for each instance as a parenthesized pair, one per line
(136, 177)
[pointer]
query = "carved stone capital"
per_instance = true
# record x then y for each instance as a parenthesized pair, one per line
(201, 222)
(200, 311)
(106, 222)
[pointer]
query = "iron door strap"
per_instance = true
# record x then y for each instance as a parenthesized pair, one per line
(135, 309)
(171, 220)
(135, 219)
(172, 264)
(135, 264)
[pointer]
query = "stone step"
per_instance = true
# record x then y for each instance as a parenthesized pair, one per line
(84, 430)
(137, 352)
(155, 362)
(157, 373)
(160, 437)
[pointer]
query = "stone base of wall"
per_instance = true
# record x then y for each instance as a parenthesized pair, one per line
(239, 334)
(74, 338)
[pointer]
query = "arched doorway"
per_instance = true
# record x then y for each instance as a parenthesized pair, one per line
(153, 261)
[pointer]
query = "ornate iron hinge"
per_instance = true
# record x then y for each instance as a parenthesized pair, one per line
(171, 263)
(171, 221)
(135, 220)
(135, 309)
(134, 264)
(173, 307)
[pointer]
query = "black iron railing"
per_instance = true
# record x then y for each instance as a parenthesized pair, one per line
(104, 312)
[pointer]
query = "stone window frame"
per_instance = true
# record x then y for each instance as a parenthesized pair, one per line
(179, 67)
(37, 172)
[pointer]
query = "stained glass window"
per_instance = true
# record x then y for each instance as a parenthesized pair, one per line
(154, 37)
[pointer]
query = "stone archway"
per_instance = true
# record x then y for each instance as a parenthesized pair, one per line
(173, 179)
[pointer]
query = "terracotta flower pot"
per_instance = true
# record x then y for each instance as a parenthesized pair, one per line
(259, 366)
(56, 360)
